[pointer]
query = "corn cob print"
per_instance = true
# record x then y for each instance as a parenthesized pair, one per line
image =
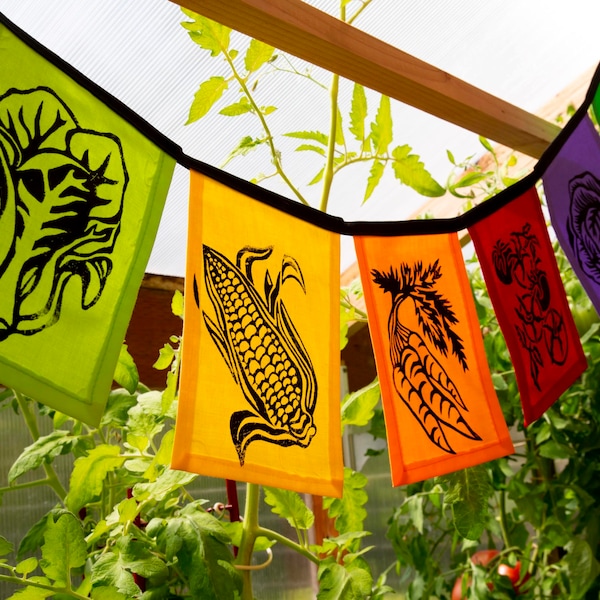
(419, 378)
(262, 349)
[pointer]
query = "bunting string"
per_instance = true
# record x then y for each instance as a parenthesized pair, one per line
(306, 213)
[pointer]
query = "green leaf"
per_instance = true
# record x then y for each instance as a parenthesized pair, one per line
(470, 178)
(358, 112)
(145, 420)
(124, 511)
(89, 473)
(165, 357)
(257, 55)
(208, 34)
(117, 407)
(467, 491)
(486, 144)
(315, 136)
(312, 148)
(165, 451)
(342, 543)
(415, 511)
(343, 330)
(582, 567)
(349, 511)
(64, 548)
(375, 175)
(128, 556)
(167, 397)
(169, 481)
(358, 407)
(29, 565)
(99, 531)
(350, 582)
(110, 571)
(207, 95)
(107, 593)
(177, 304)
(31, 593)
(246, 145)
(44, 449)
(411, 171)
(5, 546)
(126, 373)
(339, 129)
(241, 107)
(289, 505)
(317, 177)
(554, 450)
(84, 589)
(34, 538)
(381, 129)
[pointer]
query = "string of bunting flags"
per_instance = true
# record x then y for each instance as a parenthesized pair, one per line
(83, 182)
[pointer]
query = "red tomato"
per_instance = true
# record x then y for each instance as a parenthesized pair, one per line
(514, 574)
(481, 557)
(457, 589)
(511, 572)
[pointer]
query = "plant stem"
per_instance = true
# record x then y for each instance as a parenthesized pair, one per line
(329, 162)
(249, 533)
(503, 527)
(29, 583)
(29, 418)
(24, 486)
(355, 15)
(256, 109)
(282, 539)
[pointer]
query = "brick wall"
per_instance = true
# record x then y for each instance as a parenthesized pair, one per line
(151, 325)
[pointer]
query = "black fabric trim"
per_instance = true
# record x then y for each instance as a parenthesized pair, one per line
(301, 211)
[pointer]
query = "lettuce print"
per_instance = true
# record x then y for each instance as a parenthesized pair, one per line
(584, 223)
(61, 202)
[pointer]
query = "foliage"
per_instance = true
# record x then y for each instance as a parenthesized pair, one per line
(127, 525)
(357, 139)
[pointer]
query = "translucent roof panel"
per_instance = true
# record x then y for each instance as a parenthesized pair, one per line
(522, 52)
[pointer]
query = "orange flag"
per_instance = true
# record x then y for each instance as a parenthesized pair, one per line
(440, 407)
(259, 398)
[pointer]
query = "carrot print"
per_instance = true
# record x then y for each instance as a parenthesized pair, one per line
(419, 378)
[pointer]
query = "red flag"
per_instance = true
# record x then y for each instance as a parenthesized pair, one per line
(518, 264)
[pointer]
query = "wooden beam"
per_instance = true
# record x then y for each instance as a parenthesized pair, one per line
(312, 35)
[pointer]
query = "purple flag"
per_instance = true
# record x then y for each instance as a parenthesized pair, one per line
(572, 188)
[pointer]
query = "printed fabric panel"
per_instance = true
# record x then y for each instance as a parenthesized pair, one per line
(440, 407)
(260, 392)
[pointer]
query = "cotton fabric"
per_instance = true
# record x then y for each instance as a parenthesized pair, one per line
(260, 393)
(440, 407)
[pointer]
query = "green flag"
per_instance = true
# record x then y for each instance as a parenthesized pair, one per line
(81, 195)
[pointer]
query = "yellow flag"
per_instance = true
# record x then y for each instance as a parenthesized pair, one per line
(259, 398)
